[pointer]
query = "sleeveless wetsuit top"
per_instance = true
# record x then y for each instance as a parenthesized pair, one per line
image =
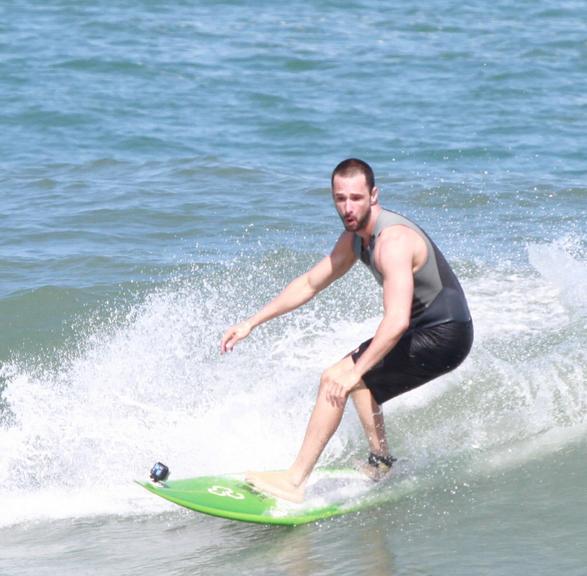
(438, 296)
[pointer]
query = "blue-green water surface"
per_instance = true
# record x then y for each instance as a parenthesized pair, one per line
(164, 171)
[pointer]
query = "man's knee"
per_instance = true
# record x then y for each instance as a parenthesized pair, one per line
(326, 378)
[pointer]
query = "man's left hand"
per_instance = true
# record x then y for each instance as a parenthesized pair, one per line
(340, 385)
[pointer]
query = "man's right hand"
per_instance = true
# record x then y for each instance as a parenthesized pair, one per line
(233, 335)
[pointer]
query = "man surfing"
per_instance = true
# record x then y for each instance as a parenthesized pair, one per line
(426, 329)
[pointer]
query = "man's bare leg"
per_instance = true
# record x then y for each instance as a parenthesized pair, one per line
(323, 423)
(371, 417)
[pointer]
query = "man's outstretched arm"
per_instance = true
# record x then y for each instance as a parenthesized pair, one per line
(299, 291)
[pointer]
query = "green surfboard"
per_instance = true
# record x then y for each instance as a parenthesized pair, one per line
(330, 492)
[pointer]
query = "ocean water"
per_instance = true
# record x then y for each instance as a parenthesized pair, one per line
(164, 171)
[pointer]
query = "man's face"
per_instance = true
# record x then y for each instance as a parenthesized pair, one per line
(353, 201)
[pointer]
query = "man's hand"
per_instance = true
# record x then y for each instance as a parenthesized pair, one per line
(233, 335)
(339, 384)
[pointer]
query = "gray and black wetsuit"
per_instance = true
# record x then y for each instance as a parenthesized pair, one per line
(440, 335)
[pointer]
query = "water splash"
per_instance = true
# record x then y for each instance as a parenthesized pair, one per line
(152, 386)
(563, 264)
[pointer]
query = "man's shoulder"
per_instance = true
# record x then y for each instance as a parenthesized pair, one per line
(396, 243)
(396, 233)
(347, 239)
(348, 245)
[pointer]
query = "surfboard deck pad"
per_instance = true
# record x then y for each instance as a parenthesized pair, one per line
(330, 492)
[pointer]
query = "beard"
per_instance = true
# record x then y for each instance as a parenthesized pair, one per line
(359, 224)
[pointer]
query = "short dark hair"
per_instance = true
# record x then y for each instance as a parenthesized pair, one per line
(351, 167)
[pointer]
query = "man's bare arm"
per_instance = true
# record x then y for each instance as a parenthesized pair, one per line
(299, 291)
(395, 261)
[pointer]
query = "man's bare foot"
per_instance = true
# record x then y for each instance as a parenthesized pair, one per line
(375, 473)
(377, 467)
(276, 483)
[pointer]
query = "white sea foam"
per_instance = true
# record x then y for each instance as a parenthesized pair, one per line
(155, 387)
(563, 265)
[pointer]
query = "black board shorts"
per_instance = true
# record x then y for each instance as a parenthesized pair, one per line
(421, 355)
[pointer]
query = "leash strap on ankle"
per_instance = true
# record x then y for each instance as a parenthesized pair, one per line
(376, 460)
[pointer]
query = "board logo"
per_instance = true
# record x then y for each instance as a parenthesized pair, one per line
(225, 492)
